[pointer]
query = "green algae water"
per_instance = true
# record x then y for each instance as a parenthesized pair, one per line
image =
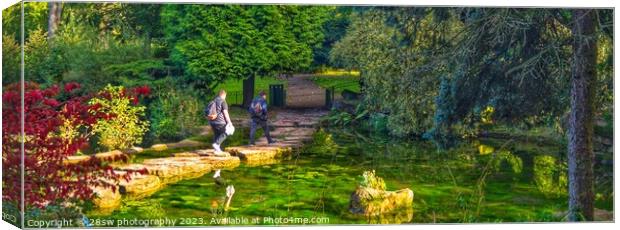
(486, 180)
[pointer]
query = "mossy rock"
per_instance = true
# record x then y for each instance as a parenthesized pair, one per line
(373, 202)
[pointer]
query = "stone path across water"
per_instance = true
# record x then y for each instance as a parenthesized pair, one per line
(291, 128)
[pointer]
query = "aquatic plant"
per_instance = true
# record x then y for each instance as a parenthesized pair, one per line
(371, 180)
(322, 143)
(550, 176)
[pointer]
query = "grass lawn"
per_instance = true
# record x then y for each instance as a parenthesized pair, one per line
(234, 88)
(339, 82)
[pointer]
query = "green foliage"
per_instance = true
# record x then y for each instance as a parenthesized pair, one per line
(435, 70)
(501, 66)
(217, 42)
(41, 64)
(322, 143)
(82, 49)
(174, 114)
(334, 29)
(387, 54)
(126, 128)
(339, 118)
(514, 161)
(550, 176)
(86, 54)
(139, 72)
(370, 180)
(11, 60)
(35, 15)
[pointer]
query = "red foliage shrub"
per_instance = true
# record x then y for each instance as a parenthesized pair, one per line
(47, 178)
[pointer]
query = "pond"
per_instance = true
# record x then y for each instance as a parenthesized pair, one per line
(487, 180)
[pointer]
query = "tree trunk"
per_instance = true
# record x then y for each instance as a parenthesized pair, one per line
(580, 130)
(55, 10)
(248, 91)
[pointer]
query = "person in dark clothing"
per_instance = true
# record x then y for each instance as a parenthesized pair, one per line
(218, 125)
(258, 117)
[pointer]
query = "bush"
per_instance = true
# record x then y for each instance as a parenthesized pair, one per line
(126, 128)
(174, 114)
(83, 54)
(10, 60)
(138, 72)
(50, 181)
(322, 143)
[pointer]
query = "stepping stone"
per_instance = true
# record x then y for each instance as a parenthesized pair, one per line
(185, 143)
(140, 186)
(195, 164)
(133, 150)
(176, 166)
(111, 156)
(262, 162)
(106, 198)
(210, 152)
(76, 159)
(159, 147)
(186, 154)
(222, 162)
(259, 153)
(162, 168)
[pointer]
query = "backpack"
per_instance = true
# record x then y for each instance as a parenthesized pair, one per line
(211, 111)
(256, 108)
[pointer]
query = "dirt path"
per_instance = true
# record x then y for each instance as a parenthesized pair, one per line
(302, 92)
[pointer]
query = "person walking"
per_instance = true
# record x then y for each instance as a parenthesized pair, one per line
(258, 117)
(217, 113)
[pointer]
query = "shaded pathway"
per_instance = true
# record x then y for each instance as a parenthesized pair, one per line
(302, 92)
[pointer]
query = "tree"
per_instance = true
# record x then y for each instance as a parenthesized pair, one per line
(214, 43)
(580, 130)
(394, 49)
(146, 22)
(58, 124)
(55, 13)
(333, 29)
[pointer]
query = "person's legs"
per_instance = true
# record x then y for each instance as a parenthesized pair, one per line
(252, 131)
(265, 127)
(219, 135)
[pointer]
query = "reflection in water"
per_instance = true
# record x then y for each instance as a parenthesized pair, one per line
(550, 175)
(396, 217)
(515, 162)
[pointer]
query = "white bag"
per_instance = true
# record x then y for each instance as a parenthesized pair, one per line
(230, 129)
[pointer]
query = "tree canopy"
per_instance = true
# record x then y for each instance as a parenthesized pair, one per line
(213, 43)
